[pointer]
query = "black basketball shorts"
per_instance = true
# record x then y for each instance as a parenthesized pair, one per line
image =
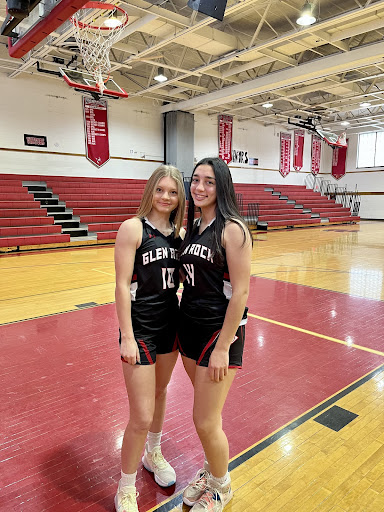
(198, 337)
(155, 330)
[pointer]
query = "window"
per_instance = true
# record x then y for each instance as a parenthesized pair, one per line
(370, 152)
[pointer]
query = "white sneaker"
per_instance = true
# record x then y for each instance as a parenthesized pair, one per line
(125, 499)
(155, 463)
(195, 489)
(214, 498)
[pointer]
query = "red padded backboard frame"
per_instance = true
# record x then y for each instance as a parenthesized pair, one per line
(59, 14)
(89, 88)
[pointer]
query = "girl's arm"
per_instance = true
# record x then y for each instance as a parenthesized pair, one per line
(239, 265)
(128, 239)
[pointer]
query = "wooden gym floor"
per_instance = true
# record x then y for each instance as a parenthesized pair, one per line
(304, 418)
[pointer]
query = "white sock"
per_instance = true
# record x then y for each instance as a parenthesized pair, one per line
(153, 439)
(128, 479)
(206, 464)
(224, 480)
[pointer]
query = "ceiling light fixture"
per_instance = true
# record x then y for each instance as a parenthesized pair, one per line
(112, 22)
(365, 104)
(160, 77)
(267, 105)
(345, 123)
(306, 17)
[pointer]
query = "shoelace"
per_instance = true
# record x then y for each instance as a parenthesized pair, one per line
(208, 497)
(201, 483)
(129, 499)
(158, 459)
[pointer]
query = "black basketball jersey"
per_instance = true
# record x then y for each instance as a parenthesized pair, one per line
(207, 283)
(155, 277)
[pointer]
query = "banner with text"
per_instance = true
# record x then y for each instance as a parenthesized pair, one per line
(316, 154)
(285, 153)
(298, 150)
(96, 130)
(339, 158)
(225, 138)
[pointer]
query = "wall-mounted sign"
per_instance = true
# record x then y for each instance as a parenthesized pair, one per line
(35, 140)
(285, 154)
(316, 154)
(96, 130)
(225, 138)
(298, 149)
(339, 158)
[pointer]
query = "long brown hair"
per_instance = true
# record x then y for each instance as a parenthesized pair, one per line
(177, 216)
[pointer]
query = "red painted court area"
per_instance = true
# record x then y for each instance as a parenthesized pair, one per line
(64, 407)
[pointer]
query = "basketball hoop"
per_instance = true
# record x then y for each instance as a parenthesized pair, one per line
(96, 38)
(342, 139)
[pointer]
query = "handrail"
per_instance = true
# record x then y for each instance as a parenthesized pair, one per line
(252, 213)
(240, 203)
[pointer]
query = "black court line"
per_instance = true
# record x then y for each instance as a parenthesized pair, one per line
(254, 450)
(57, 291)
(53, 314)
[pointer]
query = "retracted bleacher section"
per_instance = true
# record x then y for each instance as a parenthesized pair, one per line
(47, 210)
(56, 211)
(285, 206)
(22, 221)
(100, 203)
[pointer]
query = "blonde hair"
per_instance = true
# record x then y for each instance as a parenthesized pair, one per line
(177, 216)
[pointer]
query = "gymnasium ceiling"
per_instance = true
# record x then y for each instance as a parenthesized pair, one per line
(257, 54)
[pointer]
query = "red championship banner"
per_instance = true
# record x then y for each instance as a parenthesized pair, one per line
(298, 150)
(339, 158)
(316, 154)
(96, 130)
(225, 138)
(285, 153)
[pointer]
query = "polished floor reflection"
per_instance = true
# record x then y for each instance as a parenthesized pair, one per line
(314, 342)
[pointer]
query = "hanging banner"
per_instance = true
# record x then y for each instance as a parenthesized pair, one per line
(225, 138)
(285, 153)
(298, 150)
(96, 130)
(339, 158)
(316, 154)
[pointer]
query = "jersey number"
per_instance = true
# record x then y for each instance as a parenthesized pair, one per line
(189, 273)
(167, 275)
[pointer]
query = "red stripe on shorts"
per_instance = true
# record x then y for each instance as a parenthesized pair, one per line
(144, 347)
(213, 338)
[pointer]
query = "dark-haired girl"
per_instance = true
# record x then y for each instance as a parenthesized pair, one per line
(216, 260)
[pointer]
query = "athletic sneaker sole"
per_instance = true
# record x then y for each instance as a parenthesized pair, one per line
(157, 479)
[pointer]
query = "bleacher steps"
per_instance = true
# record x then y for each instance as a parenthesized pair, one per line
(75, 231)
(62, 216)
(56, 208)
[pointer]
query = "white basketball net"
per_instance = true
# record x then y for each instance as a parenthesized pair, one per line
(94, 44)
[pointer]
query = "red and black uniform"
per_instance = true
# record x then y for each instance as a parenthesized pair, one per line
(154, 304)
(207, 290)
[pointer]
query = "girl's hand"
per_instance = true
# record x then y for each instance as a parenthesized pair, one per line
(218, 364)
(129, 351)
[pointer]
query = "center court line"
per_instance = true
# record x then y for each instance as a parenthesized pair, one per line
(323, 336)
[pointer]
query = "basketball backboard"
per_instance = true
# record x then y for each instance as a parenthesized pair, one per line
(332, 139)
(44, 17)
(85, 82)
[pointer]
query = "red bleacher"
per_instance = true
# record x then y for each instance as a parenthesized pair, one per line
(290, 207)
(22, 223)
(104, 203)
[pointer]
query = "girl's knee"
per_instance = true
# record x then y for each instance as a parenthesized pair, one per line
(206, 427)
(140, 424)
